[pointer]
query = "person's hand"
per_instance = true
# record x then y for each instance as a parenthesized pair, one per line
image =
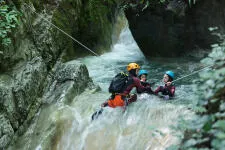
(166, 97)
(149, 90)
(161, 88)
(168, 83)
(148, 84)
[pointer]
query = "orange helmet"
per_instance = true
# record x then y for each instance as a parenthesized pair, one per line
(132, 66)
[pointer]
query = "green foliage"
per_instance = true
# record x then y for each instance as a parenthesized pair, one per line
(150, 3)
(141, 5)
(207, 131)
(8, 20)
(98, 10)
(92, 24)
(96, 22)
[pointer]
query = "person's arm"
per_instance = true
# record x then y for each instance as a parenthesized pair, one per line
(159, 89)
(139, 91)
(145, 84)
(140, 88)
(171, 90)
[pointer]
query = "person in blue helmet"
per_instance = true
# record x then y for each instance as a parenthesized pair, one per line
(142, 75)
(168, 90)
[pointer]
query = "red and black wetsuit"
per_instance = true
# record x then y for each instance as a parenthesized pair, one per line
(135, 82)
(124, 98)
(145, 84)
(166, 90)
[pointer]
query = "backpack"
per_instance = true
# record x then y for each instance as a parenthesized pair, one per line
(118, 83)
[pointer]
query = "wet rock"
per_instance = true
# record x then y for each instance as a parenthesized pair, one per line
(22, 93)
(64, 83)
(28, 85)
(174, 28)
(68, 80)
(36, 36)
(7, 104)
(19, 92)
(35, 49)
(6, 131)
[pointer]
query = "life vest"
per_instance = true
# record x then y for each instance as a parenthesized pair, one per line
(117, 101)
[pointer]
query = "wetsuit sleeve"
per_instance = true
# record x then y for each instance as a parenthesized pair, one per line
(159, 89)
(140, 88)
(171, 90)
(145, 84)
(138, 91)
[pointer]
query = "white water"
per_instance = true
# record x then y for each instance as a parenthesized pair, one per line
(103, 68)
(146, 123)
(144, 126)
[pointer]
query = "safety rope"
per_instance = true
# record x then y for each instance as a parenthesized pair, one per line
(33, 10)
(61, 30)
(27, 6)
(192, 73)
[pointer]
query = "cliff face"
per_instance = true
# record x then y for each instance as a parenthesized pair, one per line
(32, 64)
(83, 20)
(175, 28)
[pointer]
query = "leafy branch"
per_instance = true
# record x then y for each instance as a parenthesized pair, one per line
(8, 20)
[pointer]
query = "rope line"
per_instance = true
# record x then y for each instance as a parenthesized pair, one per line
(192, 73)
(27, 6)
(62, 31)
(33, 10)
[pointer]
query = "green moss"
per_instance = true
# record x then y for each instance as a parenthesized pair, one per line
(38, 4)
(89, 22)
(98, 21)
(65, 17)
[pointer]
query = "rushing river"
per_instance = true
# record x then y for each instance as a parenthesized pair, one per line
(146, 124)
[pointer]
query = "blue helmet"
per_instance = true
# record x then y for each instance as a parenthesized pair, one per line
(141, 72)
(171, 74)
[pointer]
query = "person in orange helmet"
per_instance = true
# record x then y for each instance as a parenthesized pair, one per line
(124, 98)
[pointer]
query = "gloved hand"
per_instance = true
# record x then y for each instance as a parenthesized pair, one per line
(168, 83)
(166, 97)
(149, 90)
